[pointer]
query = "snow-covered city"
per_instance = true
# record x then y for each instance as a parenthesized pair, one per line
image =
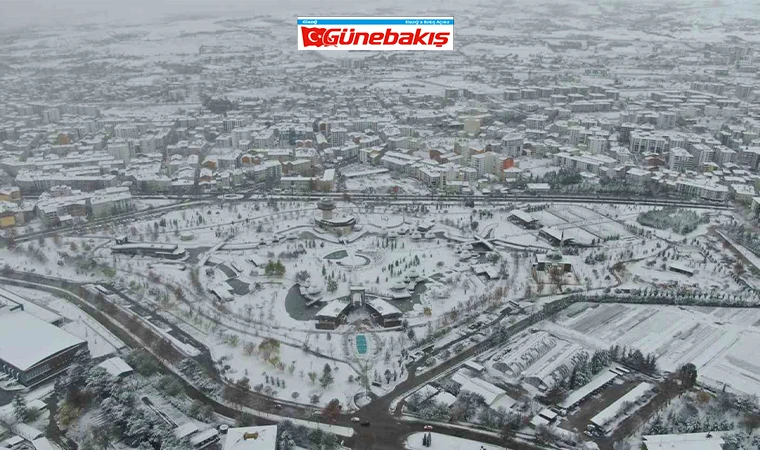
(545, 238)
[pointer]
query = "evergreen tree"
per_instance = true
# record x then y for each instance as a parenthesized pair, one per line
(19, 408)
(327, 377)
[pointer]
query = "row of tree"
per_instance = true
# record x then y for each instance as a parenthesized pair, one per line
(656, 296)
(86, 385)
(681, 221)
(584, 369)
(290, 436)
(274, 268)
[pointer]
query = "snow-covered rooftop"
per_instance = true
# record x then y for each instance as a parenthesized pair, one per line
(185, 430)
(522, 215)
(204, 436)
(382, 307)
(251, 438)
(690, 441)
(586, 390)
(116, 366)
(26, 340)
(43, 444)
(494, 396)
(332, 309)
(610, 412)
(444, 398)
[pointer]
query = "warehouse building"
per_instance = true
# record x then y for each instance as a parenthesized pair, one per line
(32, 350)
(166, 251)
(524, 219)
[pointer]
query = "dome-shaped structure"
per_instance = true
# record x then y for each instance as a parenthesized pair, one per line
(314, 289)
(412, 273)
(554, 255)
(398, 285)
(326, 204)
(416, 236)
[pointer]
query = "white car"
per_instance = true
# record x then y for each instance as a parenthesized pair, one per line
(356, 419)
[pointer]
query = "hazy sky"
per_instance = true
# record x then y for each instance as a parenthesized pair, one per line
(21, 13)
(16, 14)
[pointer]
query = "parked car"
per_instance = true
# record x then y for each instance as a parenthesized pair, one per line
(427, 427)
(355, 419)
(365, 423)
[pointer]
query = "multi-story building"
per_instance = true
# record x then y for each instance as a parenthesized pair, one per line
(584, 162)
(10, 194)
(536, 122)
(724, 155)
(51, 115)
(646, 142)
(120, 149)
(489, 163)
(702, 153)
(512, 144)
(85, 180)
(703, 189)
(597, 144)
(110, 201)
(680, 160)
(666, 119)
(398, 162)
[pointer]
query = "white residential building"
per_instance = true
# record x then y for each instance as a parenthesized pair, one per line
(704, 189)
(680, 160)
(584, 162)
(512, 144)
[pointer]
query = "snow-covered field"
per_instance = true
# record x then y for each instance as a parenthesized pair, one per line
(445, 442)
(719, 341)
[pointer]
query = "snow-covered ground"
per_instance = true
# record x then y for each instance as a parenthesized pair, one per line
(719, 341)
(445, 442)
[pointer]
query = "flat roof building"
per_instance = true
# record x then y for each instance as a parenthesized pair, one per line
(116, 367)
(332, 314)
(604, 419)
(524, 219)
(383, 312)
(599, 382)
(493, 396)
(168, 251)
(32, 350)
(251, 438)
(689, 441)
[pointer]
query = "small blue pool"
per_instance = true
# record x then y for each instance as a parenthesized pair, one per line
(361, 344)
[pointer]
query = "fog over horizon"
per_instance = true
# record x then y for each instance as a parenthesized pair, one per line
(20, 14)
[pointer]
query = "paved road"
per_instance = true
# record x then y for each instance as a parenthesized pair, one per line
(479, 200)
(92, 224)
(197, 199)
(386, 431)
